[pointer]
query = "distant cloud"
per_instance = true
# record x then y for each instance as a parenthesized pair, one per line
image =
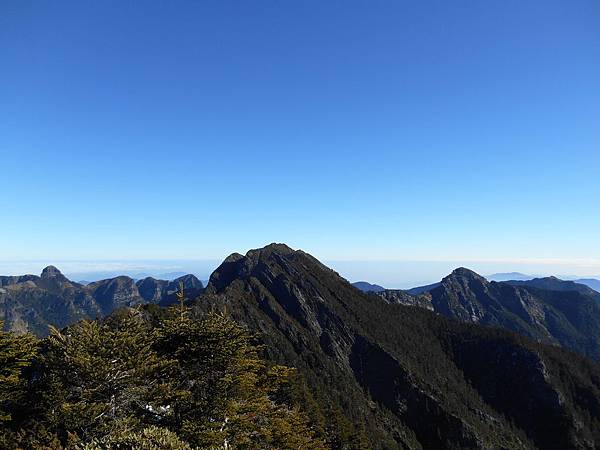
(80, 269)
(578, 262)
(410, 273)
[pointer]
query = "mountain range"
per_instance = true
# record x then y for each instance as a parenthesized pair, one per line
(410, 378)
(556, 284)
(29, 303)
(545, 309)
(467, 364)
(590, 282)
(593, 283)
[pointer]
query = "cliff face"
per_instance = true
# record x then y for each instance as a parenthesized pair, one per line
(410, 376)
(404, 298)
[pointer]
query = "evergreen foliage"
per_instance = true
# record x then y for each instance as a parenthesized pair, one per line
(16, 354)
(135, 383)
(224, 392)
(99, 377)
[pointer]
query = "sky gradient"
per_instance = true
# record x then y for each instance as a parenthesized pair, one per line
(427, 131)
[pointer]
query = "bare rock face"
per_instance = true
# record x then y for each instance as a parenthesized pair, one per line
(278, 274)
(115, 293)
(151, 289)
(403, 298)
(52, 273)
(190, 283)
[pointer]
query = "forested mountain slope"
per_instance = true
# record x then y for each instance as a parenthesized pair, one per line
(564, 313)
(409, 376)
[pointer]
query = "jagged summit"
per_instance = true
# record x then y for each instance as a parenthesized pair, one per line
(281, 249)
(159, 291)
(264, 253)
(273, 258)
(51, 272)
(466, 273)
(234, 257)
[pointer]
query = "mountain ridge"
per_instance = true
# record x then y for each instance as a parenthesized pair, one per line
(547, 309)
(556, 284)
(29, 303)
(362, 350)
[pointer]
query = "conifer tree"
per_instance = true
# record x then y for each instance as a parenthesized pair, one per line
(150, 438)
(230, 391)
(135, 381)
(181, 298)
(16, 354)
(100, 377)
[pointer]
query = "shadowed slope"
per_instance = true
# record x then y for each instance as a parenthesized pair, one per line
(403, 372)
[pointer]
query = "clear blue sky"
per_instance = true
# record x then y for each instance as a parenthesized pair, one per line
(356, 130)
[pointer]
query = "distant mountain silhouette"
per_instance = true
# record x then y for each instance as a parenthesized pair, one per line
(367, 287)
(590, 282)
(508, 276)
(421, 289)
(556, 284)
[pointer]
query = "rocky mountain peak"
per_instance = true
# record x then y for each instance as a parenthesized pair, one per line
(189, 280)
(463, 272)
(52, 273)
(267, 261)
(234, 257)
(268, 250)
